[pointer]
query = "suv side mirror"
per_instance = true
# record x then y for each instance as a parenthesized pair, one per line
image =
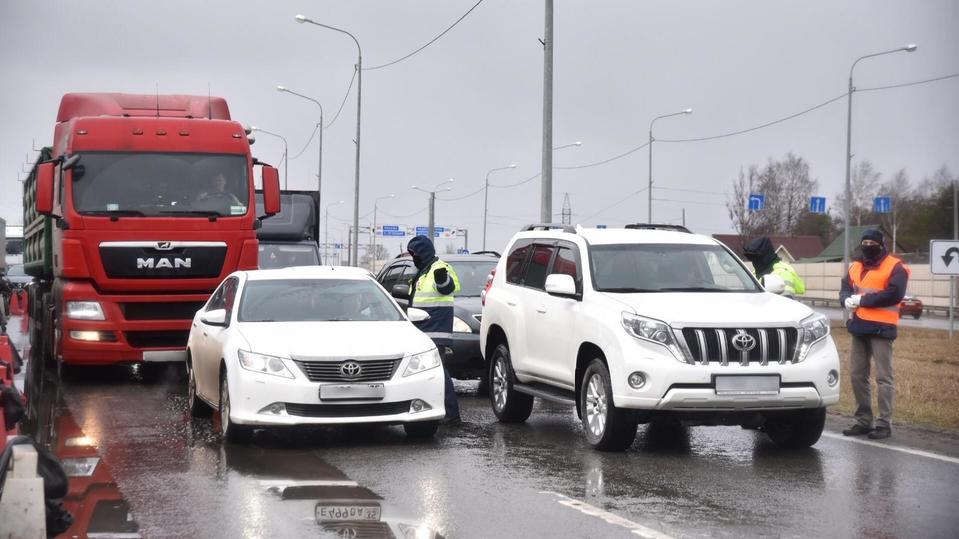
(271, 190)
(774, 284)
(216, 317)
(560, 284)
(44, 200)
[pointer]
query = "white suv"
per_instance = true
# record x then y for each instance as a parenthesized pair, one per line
(651, 323)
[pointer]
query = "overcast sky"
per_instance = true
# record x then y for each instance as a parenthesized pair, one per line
(473, 100)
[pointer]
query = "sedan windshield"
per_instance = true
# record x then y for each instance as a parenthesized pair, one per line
(316, 300)
(472, 276)
(167, 184)
(667, 268)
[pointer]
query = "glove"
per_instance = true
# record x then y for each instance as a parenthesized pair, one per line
(440, 275)
(853, 301)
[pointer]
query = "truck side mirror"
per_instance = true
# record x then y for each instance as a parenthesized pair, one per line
(44, 200)
(271, 190)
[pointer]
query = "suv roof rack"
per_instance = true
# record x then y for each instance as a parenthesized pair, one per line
(549, 226)
(654, 226)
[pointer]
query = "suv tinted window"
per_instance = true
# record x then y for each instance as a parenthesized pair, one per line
(537, 269)
(566, 262)
(516, 260)
(390, 276)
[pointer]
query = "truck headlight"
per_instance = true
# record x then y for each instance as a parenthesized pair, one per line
(654, 331)
(423, 361)
(263, 363)
(85, 310)
(460, 326)
(79, 466)
(814, 329)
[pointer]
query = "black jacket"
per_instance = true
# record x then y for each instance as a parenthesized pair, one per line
(892, 295)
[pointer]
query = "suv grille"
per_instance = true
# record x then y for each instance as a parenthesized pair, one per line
(741, 345)
(371, 370)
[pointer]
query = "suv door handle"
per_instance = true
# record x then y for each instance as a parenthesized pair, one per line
(541, 309)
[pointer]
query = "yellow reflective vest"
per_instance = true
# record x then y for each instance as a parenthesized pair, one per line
(425, 294)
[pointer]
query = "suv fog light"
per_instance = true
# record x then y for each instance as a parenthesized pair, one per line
(832, 378)
(419, 406)
(277, 408)
(637, 380)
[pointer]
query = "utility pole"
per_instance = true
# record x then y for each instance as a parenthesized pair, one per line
(955, 236)
(546, 201)
(432, 223)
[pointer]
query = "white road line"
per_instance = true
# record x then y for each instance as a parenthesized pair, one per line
(616, 520)
(899, 448)
(284, 483)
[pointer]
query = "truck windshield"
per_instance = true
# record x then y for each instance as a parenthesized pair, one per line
(286, 255)
(161, 184)
(651, 267)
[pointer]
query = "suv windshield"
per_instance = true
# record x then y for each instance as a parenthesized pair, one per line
(168, 184)
(667, 268)
(316, 300)
(472, 276)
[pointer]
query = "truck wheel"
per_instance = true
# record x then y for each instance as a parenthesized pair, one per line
(796, 429)
(197, 407)
(509, 405)
(230, 431)
(421, 430)
(607, 427)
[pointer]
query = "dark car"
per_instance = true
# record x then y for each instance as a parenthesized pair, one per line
(16, 276)
(463, 357)
(911, 306)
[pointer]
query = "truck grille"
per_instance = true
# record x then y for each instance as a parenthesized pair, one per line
(161, 310)
(741, 346)
(157, 339)
(347, 410)
(371, 370)
(162, 259)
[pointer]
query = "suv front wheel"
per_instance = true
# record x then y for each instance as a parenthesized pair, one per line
(607, 427)
(509, 405)
(796, 429)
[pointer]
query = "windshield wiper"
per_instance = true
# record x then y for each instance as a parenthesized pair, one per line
(627, 290)
(115, 214)
(694, 289)
(193, 213)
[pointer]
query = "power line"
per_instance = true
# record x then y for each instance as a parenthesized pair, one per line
(474, 193)
(907, 83)
(617, 203)
(604, 161)
(307, 145)
(337, 115)
(688, 190)
(689, 202)
(517, 184)
(404, 216)
(430, 42)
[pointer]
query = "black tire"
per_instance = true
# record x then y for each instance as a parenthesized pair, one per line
(607, 427)
(421, 430)
(197, 407)
(796, 429)
(508, 405)
(230, 431)
(916, 316)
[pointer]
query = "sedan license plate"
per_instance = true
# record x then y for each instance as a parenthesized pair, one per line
(352, 391)
(759, 384)
(340, 513)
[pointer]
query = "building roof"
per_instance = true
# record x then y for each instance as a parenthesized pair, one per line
(797, 246)
(833, 252)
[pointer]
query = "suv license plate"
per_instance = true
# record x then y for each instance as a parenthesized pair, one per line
(760, 384)
(339, 513)
(352, 391)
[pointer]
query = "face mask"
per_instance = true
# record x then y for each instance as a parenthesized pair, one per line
(871, 251)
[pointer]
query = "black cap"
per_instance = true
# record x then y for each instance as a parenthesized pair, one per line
(873, 234)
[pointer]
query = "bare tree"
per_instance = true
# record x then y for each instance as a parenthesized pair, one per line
(897, 188)
(744, 221)
(863, 184)
(786, 186)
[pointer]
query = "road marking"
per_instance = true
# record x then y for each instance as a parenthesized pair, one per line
(616, 520)
(899, 448)
(284, 483)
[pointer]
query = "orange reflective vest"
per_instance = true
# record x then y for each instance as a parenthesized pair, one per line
(875, 280)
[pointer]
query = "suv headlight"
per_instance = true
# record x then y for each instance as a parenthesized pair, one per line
(814, 329)
(460, 326)
(263, 363)
(85, 310)
(654, 331)
(423, 361)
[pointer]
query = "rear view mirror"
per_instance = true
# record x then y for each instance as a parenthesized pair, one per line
(774, 284)
(216, 317)
(560, 284)
(44, 189)
(417, 315)
(271, 190)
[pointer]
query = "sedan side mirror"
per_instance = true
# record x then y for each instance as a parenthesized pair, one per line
(400, 291)
(216, 317)
(417, 315)
(560, 284)
(774, 284)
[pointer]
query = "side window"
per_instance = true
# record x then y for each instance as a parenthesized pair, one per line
(229, 296)
(537, 269)
(216, 300)
(409, 271)
(391, 276)
(567, 263)
(516, 260)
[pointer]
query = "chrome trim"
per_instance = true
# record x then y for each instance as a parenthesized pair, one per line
(703, 349)
(800, 335)
(683, 346)
(723, 349)
(168, 244)
(782, 345)
(763, 347)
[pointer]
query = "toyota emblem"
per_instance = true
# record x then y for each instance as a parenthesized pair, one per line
(351, 369)
(743, 341)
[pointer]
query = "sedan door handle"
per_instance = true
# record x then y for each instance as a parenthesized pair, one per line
(541, 309)
(511, 303)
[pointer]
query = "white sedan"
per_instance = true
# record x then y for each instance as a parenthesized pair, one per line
(311, 346)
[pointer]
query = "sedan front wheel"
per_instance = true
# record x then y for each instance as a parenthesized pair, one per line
(231, 432)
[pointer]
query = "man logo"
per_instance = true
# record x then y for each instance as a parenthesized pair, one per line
(160, 263)
(350, 369)
(743, 341)
(164, 245)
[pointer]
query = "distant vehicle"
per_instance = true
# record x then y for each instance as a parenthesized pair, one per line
(17, 277)
(911, 306)
(311, 346)
(644, 324)
(463, 359)
(289, 238)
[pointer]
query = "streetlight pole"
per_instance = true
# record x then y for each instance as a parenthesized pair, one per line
(486, 197)
(546, 200)
(432, 193)
(373, 231)
(319, 164)
(326, 241)
(848, 192)
(649, 188)
(286, 168)
(359, 94)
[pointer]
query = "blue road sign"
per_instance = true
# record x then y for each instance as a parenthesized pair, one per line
(424, 230)
(882, 205)
(397, 233)
(600, 226)
(817, 205)
(391, 227)
(463, 252)
(757, 202)
(337, 245)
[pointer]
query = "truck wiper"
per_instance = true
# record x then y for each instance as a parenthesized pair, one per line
(115, 214)
(193, 213)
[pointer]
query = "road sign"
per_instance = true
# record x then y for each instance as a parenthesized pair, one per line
(438, 231)
(462, 251)
(817, 205)
(395, 233)
(600, 226)
(391, 227)
(757, 202)
(882, 205)
(944, 257)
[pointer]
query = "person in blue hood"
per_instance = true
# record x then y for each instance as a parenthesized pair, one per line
(432, 290)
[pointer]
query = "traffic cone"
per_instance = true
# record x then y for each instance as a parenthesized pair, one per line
(18, 302)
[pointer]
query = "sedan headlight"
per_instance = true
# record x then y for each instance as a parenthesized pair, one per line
(654, 331)
(814, 329)
(263, 363)
(85, 310)
(460, 326)
(423, 361)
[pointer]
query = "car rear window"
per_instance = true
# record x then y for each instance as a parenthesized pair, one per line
(472, 276)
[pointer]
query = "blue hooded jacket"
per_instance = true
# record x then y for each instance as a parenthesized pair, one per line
(424, 255)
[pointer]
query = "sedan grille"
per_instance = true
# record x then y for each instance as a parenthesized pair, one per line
(370, 370)
(347, 410)
(741, 346)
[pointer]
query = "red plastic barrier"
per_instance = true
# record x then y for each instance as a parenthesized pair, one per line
(18, 303)
(6, 379)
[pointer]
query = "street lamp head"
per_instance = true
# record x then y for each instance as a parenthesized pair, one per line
(511, 165)
(910, 47)
(254, 128)
(392, 195)
(280, 88)
(301, 18)
(688, 111)
(578, 143)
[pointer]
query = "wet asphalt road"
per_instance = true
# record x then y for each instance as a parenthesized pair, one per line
(484, 479)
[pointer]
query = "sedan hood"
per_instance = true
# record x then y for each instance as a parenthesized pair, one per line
(716, 308)
(335, 339)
